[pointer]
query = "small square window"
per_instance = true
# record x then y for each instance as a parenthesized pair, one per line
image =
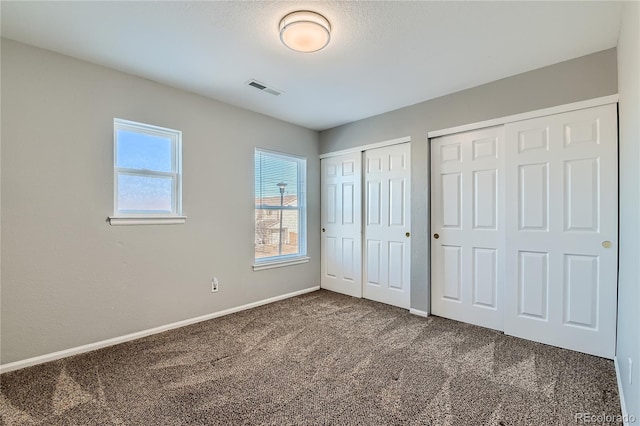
(147, 173)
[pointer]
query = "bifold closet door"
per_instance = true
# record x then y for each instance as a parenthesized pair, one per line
(387, 232)
(341, 219)
(467, 227)
(562, 230)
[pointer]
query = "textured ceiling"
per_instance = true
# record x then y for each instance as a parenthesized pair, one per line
(382, 56)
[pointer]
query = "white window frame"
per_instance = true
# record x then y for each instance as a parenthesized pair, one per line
(301, 256)
(146, 217)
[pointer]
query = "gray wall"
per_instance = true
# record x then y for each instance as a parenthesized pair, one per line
(629, 273)
(583, 78)
(68, 277)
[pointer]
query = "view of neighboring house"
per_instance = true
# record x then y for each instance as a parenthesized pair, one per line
(446, 216)
(268, 234)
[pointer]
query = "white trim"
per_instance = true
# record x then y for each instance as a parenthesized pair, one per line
(148, 127)
(367, 147)
(623, 405)
(283, 155)
(418, 312)
(605, 100)
(280, 263)
(147, 220)
(176, 163)
(4, 368)
(301, 208)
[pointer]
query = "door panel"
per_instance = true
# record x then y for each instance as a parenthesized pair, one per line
(348, 258)
(582, 195)
(397, 201)
(451, 200)
(452, 272)
(467, 225)
(485, 278)
(387, 243)
(533, 284)
(373, 262)
(373, 203)
(561, 178)
(581, 281)
(485, 199)
(330, 204)
(331, 266)
(348, 203)
(533, 205)
(341, 217)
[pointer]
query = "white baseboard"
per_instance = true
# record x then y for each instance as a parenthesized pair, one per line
(623, 405)
(418, 312)
(133, 336)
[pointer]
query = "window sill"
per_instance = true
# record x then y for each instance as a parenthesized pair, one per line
(147, 220)
(280, 263)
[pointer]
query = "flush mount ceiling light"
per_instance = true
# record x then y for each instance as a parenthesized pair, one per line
(305, 31)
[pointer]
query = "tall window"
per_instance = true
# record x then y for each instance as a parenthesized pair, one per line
(147, 171)
(280, 212)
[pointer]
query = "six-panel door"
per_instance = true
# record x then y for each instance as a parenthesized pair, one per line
(387, 233)
(467, 227)
(562, 230)
(523, 228)
(341, 218)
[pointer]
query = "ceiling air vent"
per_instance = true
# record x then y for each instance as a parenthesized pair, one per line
(264, 87)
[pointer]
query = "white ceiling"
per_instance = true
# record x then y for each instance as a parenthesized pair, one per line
(383, 54)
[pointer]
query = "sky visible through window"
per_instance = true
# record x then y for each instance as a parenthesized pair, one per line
(271, 170)
(144, 152)
(140, 151)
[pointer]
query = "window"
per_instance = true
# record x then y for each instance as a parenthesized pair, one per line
(147, 174)
(280, 209)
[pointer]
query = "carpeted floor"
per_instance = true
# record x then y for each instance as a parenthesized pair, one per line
(317, 359)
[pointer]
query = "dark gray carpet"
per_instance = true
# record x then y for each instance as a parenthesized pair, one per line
(317, 359)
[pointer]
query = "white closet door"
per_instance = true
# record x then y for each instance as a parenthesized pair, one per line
(387, 246)
(467, 226)
(562, 199)
(341, 218)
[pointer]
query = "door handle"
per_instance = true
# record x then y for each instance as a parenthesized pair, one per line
(323, 229)
(606, 244)
(407, 234)
(436, 236)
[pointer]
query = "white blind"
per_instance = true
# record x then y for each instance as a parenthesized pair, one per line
(279, 205)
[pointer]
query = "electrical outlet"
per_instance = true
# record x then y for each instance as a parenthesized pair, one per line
(214, 284)
(630, 370)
